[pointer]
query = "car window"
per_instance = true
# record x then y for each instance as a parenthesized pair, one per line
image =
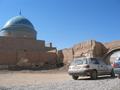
(94, 61)
(79, 62)
(103, 63)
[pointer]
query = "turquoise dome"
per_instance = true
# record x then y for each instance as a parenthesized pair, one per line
(18, 20)
(18, 26)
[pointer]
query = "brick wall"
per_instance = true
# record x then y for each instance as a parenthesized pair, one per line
(66, 55)
(21, 43)
(7, 57)
(25, 53)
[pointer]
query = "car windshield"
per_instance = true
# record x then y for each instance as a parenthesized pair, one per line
(79, 61)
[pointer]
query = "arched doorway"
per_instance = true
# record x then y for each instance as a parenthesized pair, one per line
(112, 55)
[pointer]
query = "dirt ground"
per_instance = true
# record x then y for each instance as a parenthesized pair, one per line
(17, 78)
(53, 80)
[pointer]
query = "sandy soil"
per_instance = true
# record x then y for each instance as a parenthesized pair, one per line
(53, 80)
(17, 78)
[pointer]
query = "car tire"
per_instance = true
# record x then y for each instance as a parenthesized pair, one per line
(93, 75)
(112, 73)
(75, 77)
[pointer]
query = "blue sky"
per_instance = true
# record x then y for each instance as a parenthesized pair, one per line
(67, 22)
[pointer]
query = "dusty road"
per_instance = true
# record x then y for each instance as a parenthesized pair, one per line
(35, 80)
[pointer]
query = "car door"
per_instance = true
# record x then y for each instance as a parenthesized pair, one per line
(96, 65)
(103, 67)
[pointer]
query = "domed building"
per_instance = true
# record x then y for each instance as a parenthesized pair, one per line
(20, 48)
(20, 27)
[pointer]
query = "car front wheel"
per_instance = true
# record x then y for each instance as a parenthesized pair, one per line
(75, 77)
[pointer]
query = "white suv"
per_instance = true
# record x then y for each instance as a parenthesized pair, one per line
(89, 67)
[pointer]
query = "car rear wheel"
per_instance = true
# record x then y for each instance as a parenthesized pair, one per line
(93, 75)
(75, 77)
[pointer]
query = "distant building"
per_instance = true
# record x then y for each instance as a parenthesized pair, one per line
(20, 48)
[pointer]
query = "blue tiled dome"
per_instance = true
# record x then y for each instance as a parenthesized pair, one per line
(18, 20)
(19, 27)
